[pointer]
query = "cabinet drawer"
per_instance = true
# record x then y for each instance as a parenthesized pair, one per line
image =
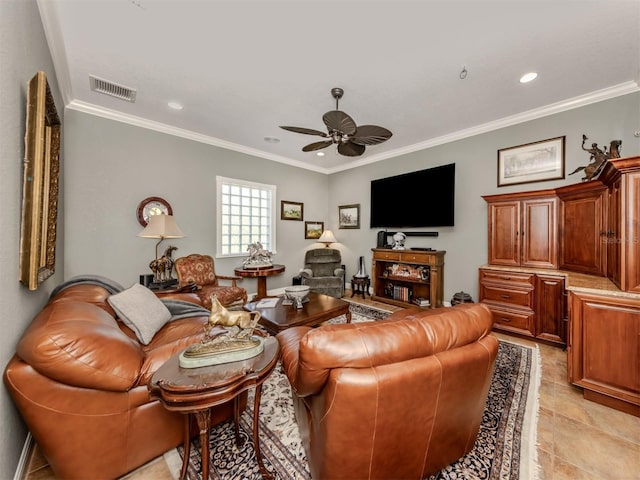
(512, 320)
(413, 257)
(511, 296)
(505, 276)
(394, 256)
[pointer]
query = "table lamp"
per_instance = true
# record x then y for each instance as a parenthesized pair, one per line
(161, 226)
(327, 238)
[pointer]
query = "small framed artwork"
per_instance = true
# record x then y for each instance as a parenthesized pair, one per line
(291, 210)
(349, 216)
(531, 162)
(313, 230)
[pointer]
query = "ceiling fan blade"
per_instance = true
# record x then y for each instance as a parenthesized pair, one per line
(340, 121)
(350, 149)
(316, 146)
(370, 135)
(306, 131)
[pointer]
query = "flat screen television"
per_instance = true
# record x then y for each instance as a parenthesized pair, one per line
(425, 198)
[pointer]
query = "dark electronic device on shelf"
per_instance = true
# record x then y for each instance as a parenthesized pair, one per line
(385, 239)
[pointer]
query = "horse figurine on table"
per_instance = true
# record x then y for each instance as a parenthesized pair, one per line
(237, 323)
(163, 266)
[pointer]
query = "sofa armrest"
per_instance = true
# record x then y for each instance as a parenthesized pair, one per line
(290, 356)
(306, 272)
(339, 272)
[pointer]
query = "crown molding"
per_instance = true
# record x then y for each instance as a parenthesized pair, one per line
(188, 134)
(51, 27)
(558, 107)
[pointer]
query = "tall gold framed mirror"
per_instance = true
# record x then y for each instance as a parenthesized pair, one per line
(40, 185)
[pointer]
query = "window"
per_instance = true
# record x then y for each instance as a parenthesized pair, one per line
(246, 214)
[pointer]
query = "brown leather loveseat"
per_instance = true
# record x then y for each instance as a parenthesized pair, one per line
(79, 379)
(399, 398)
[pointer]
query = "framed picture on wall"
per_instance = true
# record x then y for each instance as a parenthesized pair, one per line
(349, 216)
(291, 210)
(313, 230)
(531, 162)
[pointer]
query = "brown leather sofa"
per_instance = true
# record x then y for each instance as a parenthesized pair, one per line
(399, 398)
(79, 379)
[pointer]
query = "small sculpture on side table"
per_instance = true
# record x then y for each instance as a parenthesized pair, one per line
(228, 338)
(258, 257)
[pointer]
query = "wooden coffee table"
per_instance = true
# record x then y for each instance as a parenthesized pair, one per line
(318, 309)
(193, 391)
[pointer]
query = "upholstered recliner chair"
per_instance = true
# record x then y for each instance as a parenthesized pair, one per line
(200, 270)
(396, 398)
(323, 272)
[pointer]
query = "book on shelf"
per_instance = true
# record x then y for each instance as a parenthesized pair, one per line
(422, 302)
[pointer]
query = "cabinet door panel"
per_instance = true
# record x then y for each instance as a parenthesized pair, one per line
(550, 322)
(583, 233)
(504, 233)
(539, 233)
(631, 234)
(614, 244)
(605, 345)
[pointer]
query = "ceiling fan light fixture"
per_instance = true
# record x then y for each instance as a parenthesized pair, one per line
(343, 132)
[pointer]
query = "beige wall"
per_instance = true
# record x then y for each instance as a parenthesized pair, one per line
(476, 175)
(23, 52)
(111, 167)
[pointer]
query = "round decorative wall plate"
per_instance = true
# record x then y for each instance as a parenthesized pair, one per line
(152, 206)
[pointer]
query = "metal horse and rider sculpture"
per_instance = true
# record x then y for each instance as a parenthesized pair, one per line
(598, 158)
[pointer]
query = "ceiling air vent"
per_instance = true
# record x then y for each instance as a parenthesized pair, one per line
(101, 85)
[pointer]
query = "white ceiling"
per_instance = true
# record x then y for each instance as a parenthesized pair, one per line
(241, 68)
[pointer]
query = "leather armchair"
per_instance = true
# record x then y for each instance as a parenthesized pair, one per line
(323, 272)
(200, 270)
(396, 398)
(79, 380)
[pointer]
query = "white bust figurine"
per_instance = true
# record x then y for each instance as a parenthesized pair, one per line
(398, 241)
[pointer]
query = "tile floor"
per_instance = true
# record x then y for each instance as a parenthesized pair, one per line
(577, 439)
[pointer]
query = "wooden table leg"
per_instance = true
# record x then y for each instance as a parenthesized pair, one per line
(256, 440)
(204, 419)
(262, 288)
(236, 420)
(348, 315)
(186, 445)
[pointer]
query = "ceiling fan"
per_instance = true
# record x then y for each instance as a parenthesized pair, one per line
(342, 131)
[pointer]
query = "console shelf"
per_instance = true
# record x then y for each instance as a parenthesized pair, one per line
(401, 276)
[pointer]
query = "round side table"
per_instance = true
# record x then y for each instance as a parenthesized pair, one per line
(193, 391)
(360, 286)
(261, 274)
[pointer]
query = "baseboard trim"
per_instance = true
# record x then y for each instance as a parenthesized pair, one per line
(21, 468)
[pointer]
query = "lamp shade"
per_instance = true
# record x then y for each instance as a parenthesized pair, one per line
(161, 226)
(327, 237)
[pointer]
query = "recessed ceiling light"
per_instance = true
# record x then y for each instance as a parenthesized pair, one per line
(271, 139)
(528, 77)
(320, 154)
(175, 105)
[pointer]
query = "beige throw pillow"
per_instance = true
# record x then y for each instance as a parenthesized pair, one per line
(140, 309)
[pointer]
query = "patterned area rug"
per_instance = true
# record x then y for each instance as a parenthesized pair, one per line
(504, 449)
